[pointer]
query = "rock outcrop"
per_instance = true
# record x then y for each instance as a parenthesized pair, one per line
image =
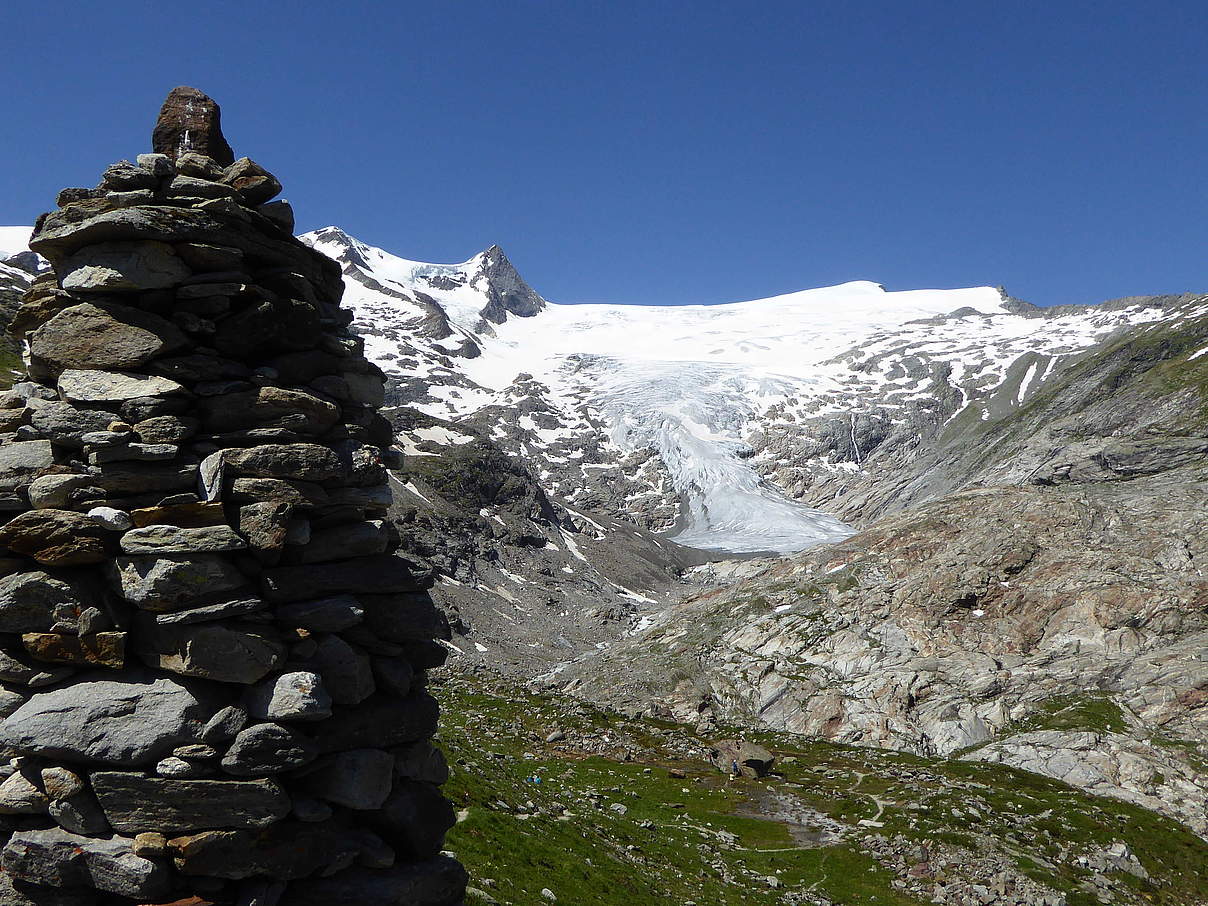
(212, 656)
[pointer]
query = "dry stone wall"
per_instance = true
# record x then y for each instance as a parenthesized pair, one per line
(212, 657)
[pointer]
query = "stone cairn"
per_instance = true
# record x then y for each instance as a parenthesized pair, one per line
(212, 660)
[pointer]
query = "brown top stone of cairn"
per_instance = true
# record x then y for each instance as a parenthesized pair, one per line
(191, 121)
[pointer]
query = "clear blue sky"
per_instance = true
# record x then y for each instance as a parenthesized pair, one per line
(670, 151)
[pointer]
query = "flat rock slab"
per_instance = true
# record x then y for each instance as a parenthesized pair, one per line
(80, 385)
(56, 857)
(288, 850)
(225, 652)
(303, 462)
(169, 539)
(134, 803)
(124, 722)
(55, 537)
(381, 573)
(164, 583)
(123, 267)
(102, 336)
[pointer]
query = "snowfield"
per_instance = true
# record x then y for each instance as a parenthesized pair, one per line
(692, 382)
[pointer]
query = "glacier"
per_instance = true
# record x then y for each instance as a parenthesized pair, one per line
(694, 382)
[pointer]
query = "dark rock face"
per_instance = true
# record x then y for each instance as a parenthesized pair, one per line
(191, 121)
(212, 655)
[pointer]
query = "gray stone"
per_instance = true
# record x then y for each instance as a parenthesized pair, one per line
(58, 858)
(122, 267)
(358, 779)
(124, 176)
(380, 723)
(225, 652)
(280, 212)
(342, 542)
(125, 722)
(199, 166)
(28, 601)
(66, 425)
(265, 525)
(166, 429)
(109, 518)
(19, 462)
(347, 673)
(303, 462)
(169, 582)
(134, 803)
(298, 695)
(89, 386)
(191, 187)
(79, 814)
(264, 749)
(321, 615)
(287, 850)
(159, 165)
(222, 610)
(136, 452)
(268, 407)
(368, 575)
(170, 539)
(225, 724)
(421, 761)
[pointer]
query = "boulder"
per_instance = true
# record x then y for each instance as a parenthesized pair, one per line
(59, 858)
(358, 779)
(342, 542)
(66, 425)
(122, 267)
(104, 387)
(321, 615)
(191, 121)
(126, 721)
(21, 461)
(379, 723)
(100, 649)
(267, 407)
(254, 184)
(169, 582)
(264, 749)
(99, 335)
(55, 537)
(301, 462)
(346, 673)
(31, 601)
(298, 695)
(171, 539)
(227, 652)
(134, 803)
(753, 760)
(368, 574)
(288, 850)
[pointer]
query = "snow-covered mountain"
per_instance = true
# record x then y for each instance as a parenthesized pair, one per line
(711, 422)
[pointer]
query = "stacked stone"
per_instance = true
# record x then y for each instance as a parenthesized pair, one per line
(212, 658)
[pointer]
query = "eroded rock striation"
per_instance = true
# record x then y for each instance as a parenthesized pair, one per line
(212, 654)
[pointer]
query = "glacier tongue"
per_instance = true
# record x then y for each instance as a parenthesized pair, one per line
(694, 415)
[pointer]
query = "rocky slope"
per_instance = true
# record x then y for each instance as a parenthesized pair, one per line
(600, 809)
(1064, 577)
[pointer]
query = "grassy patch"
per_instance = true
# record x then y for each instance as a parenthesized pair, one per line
(628, 811)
